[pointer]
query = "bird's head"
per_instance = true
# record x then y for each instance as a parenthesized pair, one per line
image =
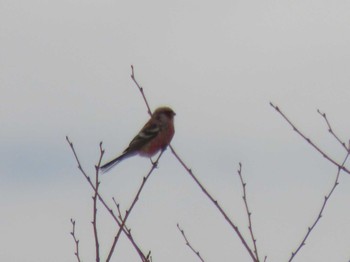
(164, 114)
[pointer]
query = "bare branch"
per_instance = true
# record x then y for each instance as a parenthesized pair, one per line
(149, 257)
(120, 216)
(141, 90)
(94, 198)
(76, 241)
(101, 199)
(309, 141)
(215, 202)
(330, 130)
(249, 214)
(189, 244)
(128, 211)
(340, 167)
(325, 201)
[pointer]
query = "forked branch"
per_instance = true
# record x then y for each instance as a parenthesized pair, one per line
(128, 211)
(217, 205)
(308, 140)
(110, 210)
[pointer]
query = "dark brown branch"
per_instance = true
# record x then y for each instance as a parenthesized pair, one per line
(126, 232)
(330, 130)
(149, 257)
(249, 214)
(215, 202)
(189, 244)
(76, 241)
(309, 140)
(325, 201)
(128, 211)
(94, 198)
(141, 90)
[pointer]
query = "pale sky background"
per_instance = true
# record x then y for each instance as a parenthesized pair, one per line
(65, 70)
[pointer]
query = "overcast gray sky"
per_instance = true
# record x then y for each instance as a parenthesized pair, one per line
(65, 70)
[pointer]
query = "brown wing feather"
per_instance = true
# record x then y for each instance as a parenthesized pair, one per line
(147, 133)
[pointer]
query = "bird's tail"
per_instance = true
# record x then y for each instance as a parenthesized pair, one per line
(109, 165)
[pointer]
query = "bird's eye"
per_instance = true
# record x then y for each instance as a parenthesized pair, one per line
(170, 114)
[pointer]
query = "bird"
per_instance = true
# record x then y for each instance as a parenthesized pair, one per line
(154, 136)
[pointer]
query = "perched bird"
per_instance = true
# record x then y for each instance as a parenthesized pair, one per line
(155, 135)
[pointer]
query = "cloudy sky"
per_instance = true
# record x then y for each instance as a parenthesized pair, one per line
(65, 70)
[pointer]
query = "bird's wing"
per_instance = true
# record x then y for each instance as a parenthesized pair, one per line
(143, 137)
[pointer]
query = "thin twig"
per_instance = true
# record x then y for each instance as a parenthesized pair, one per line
(128, 211)
(118, 208)
(189, 244)
(325, 201)
(76, 241)
(94, 198)
(126, 232)
(309, 140)
(249, 214)
(141, 90)
(330, 130)
(149, 256)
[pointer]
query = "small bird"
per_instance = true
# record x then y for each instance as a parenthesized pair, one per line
(155, 135)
